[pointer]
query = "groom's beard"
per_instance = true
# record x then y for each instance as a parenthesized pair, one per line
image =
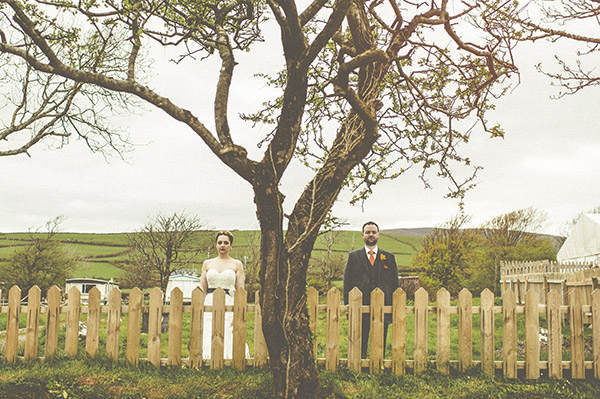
(371, 242)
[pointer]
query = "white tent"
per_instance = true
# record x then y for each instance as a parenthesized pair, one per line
(185, 282)
(583, 244)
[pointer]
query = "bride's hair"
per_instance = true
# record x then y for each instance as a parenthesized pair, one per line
(225, 233)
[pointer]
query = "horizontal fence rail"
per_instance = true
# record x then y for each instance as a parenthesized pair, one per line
(429, 332)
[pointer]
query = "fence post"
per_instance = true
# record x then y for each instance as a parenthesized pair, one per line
(134, 317)
(532, 335)
(487, 332)
(399, 332)
(175, 327)
(154, 321)
(197, 327)
(33, 321)
(421, 315)
(354, 329)
(576, 323)
(52, 321)
(92, 337)
(443, 331)
(238, 355)
(554, 334)
(509, 345)
(332, 345)
(465, 329)
(72, 328)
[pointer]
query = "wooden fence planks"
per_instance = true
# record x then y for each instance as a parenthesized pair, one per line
(444, 311)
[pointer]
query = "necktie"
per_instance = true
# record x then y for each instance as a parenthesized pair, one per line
(372, 257)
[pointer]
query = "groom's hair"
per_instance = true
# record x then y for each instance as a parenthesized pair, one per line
(368, 224)
(225, 233)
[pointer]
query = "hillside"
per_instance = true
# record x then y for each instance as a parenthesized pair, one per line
(105, 255)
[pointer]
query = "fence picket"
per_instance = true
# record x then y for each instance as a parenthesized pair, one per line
(465, 330)
(399, 332)
(376, 343)
(509, 344)
(52, 321)
(175, 328)
(421, 316)
(332, 339)
(443, 331)
(532, 335)
(72, 328)
(133, 326)
(239, 329)
(12, 324)
(488, 353)
(313, 308)
(154, 324)
(218, 329)
(113, 324)
(554, 320)
(92, 337)
(354, 329)
(260, 346)
(33, 320)
(577, 342)
(196, 328)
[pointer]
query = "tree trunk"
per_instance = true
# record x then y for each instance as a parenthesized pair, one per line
(283, 298)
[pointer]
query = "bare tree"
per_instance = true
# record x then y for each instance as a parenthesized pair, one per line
(330, 267)
(165, 244)
(511, 228)
(368, 90)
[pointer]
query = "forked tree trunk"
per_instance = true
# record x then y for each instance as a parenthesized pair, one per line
(283, 298)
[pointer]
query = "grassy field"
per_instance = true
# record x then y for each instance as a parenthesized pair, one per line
(103, 255)
(100, 378)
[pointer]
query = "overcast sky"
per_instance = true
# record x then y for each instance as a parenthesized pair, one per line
(549, 159)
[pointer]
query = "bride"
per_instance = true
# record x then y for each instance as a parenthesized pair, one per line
(227, 273)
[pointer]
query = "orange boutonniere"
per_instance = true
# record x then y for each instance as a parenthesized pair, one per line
(385, 266)
(382, 257)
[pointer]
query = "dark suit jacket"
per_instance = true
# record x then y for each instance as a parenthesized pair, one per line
(358, 274)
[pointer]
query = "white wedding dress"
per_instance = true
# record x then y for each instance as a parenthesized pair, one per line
(225, 280)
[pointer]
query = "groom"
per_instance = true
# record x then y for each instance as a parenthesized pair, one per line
(369, 268)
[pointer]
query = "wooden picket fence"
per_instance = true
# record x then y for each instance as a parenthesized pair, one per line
(423, 312)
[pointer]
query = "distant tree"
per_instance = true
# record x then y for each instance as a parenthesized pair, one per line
(566, 228)
(45, 262)
(165, 244)
(448, 255)
(330, 267)
(512, 236)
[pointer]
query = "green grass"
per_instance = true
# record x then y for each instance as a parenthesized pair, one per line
(103, 270)
(101, 378)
